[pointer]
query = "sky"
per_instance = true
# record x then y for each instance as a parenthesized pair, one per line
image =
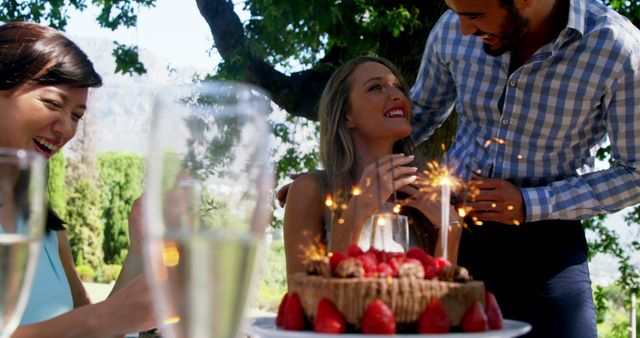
(174, 30)
(173, 34)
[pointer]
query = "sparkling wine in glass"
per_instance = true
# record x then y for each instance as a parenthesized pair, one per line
(207, 202)
(385, 230)
(22, 184)
(389, 232)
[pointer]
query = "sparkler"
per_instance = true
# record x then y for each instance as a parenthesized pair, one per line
(393, 184)
(445, 184)
(379, 193)
(354, 195)
(332, 207)
(432, 184)
(396, 205)
(438, 181)
(314, 251)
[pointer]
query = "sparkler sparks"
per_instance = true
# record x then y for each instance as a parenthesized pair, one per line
(495, 139)
(315, 251)
(332, 207)
(172, 320)
(356, 191)
(435, 175)
(432, 180)
(329, 201)
(396, 208)
(462, 212)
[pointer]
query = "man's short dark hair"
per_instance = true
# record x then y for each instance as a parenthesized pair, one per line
(506, 3)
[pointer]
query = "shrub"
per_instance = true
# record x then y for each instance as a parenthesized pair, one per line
(84, 226)
(273, 278)
(109, 273)
(86, 273)
(119, 188)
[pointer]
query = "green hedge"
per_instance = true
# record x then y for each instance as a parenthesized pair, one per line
(86, 273)
(273, 278)
(108, 273)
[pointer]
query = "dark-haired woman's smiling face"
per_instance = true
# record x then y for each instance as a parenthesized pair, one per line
(42, 118)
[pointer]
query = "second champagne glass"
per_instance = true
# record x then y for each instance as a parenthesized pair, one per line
(207, 201)
(389, 232)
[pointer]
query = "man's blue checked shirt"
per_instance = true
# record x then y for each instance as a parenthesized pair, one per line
(541, 126)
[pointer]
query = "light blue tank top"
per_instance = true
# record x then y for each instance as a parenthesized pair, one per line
(50, 293)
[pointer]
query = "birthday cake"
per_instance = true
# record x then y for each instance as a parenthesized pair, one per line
(414, 292)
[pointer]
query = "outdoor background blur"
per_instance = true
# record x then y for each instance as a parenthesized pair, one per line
(288, 49)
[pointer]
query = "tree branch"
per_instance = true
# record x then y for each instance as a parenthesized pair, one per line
(297, 93)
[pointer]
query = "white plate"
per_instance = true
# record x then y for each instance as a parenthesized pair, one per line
(265, 327)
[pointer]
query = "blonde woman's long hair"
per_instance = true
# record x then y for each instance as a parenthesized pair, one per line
(336, 144)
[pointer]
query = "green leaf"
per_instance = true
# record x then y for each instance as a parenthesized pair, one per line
(127, 59)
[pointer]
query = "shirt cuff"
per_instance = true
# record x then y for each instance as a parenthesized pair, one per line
(537, 203)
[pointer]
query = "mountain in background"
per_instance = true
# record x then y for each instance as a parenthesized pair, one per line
(119, 113)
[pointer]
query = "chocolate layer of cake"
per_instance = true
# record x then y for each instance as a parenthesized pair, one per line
(406, 297)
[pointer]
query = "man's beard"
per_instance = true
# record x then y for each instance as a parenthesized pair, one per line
(513, 29)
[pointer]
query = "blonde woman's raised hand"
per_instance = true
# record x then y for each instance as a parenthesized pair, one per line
(380, 179)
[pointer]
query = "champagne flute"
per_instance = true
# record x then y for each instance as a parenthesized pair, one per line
(385, 230)
(389, 232)
(207, 201)
(22, 184)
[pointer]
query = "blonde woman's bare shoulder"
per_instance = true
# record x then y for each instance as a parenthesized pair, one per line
(307, 183)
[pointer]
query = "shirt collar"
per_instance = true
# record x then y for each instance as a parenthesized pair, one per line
(575, 24)
(577, 16)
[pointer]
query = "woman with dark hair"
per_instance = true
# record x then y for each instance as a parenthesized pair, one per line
(365, 126)
(44, 84)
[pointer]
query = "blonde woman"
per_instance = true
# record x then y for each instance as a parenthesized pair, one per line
(365, 126)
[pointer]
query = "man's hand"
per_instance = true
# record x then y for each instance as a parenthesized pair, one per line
(497, 200)
(282, 193)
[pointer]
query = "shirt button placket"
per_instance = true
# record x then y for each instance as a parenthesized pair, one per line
(505, 121)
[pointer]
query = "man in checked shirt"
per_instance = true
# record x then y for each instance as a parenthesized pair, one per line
(537, 85)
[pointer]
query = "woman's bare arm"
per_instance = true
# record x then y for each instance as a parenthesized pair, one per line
(133, 264)
(78, 292)
(303, 223)
(127, 311)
